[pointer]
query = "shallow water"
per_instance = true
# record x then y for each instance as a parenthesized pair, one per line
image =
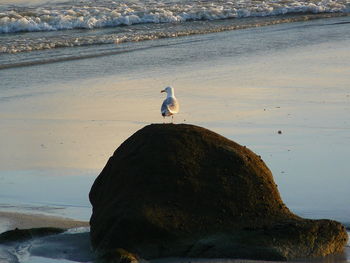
(68, 118)
(55, 24)
(61, 121)
(62, 193)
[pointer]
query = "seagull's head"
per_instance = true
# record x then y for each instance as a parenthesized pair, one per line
(168, 90)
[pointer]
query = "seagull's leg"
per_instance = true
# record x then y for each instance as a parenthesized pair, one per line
(172, 118)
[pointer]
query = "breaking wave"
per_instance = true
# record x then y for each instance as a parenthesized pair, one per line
(99, 14)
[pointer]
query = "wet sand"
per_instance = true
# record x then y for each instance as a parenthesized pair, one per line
(246, 85)
(12, 220)
(75, 247)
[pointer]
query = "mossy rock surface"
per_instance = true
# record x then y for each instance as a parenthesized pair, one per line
(182, 190)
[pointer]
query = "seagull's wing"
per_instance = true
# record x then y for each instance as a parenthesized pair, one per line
(164, 108)
(172, 105)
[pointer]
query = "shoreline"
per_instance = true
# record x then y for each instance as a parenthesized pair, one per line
(114, 44)
(252, 84)
(55, 247)
(12, 220)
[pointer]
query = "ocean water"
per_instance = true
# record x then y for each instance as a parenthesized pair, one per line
(57, 24)
(79, 77)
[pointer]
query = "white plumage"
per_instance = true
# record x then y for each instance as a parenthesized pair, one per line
(170, 105)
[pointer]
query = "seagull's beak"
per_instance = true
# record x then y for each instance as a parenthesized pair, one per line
(162, 91)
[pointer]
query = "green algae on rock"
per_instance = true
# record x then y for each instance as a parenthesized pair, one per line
(185, 191)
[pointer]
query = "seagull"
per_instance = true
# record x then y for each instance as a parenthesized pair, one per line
(170, 105)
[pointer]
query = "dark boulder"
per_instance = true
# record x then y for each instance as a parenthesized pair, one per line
(182, 190)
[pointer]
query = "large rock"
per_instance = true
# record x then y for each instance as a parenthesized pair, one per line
(182, 190)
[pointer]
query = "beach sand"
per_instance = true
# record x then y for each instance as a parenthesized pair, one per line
(244, 84)
(12, 220)
(74, 246)
(69, 117)
(70, 246)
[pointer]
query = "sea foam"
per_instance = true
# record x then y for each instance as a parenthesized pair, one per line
(17, 43)
(90, 15)
(45, 26)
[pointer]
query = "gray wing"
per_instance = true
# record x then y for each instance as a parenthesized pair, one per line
(164, 109)
(169, 107)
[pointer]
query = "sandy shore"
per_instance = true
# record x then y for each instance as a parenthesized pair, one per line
(244, 84)
(11, 220)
